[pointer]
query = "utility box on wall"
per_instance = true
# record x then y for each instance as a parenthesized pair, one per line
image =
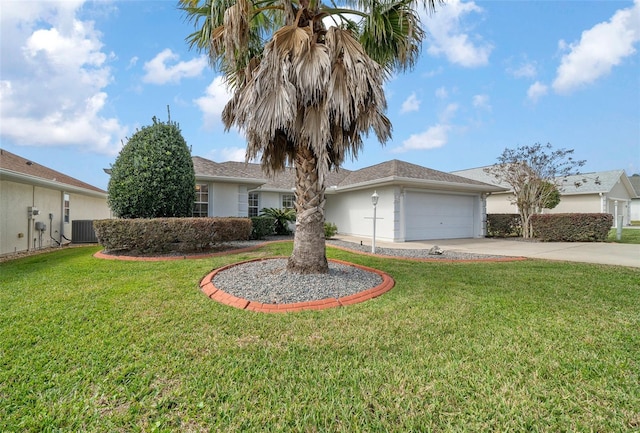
(82, 232)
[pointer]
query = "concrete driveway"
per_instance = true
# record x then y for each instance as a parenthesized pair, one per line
(585, 252)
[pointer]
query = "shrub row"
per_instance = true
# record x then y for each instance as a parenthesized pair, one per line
(166, 235)
(572, 227)
(504, 225)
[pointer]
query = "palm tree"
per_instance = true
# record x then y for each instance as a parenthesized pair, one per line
(305, 92)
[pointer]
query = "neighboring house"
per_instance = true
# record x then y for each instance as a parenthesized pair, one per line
(635, 202)
(415, 203)
(599, 192)
(38, 205)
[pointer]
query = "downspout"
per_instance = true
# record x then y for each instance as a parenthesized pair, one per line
(30, 219)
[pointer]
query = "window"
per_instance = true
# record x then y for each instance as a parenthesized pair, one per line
(65, 208)
(201, 205)
(288, 201)
(254, 204)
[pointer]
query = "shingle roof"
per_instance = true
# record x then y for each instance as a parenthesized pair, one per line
(390, 171)
(12, 163)
(635, 182)
(405, 170)
(480, 175)
(590, 183)
(284, 180)
(601, 181)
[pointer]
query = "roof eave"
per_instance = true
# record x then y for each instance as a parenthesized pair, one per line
(432, 184)
(229, 179)
(38, 181)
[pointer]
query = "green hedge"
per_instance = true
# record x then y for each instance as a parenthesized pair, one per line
(168, 235)
(572, 227)
(504, 225)
(262, 226)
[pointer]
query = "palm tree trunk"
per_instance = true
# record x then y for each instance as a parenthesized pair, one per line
(309, 256)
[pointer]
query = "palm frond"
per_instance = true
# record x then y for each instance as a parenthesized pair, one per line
(236, 29)
(311, 73)
(391, 34)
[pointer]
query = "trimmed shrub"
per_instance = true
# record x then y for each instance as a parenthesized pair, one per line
(282, 218)
(572, 227)
(504, 225)
(262, 226)
(153, 176)
(169, 235)
(330, 230)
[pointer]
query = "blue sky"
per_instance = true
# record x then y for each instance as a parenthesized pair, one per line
(78, 77)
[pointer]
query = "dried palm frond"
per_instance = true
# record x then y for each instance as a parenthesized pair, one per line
(356, 98)
(316, 131)
(311, 73)
(292, 41)
(236, 29)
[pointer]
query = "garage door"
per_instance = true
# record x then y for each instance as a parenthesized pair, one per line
(438, 216)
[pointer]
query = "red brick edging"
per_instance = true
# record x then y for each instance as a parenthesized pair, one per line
(207, 287)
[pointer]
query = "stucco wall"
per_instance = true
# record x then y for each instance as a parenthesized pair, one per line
(14, 200)
(224, 200)
(352, 213)
(587, 203)
(501, 203)
(269, 199)
(17, 231)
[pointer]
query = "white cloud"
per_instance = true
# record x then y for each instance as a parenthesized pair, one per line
(55, 72)
(441, 93)
(160, 71)
(432, 73)
(434, 137)
(412, 103)
(449, 37)
(228, 154)
(481, 101)
(525, 70)
(212, 103)
(132, 62)
(448, 113)
(600, 48)
(536, 91)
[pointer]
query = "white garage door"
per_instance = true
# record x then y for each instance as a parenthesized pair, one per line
(438, 216)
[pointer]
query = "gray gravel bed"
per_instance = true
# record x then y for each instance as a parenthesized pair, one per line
(412, 253)
(267, 281)
(393, 252)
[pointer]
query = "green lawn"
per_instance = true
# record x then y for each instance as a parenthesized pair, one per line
(629, 236)
(103, 346)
